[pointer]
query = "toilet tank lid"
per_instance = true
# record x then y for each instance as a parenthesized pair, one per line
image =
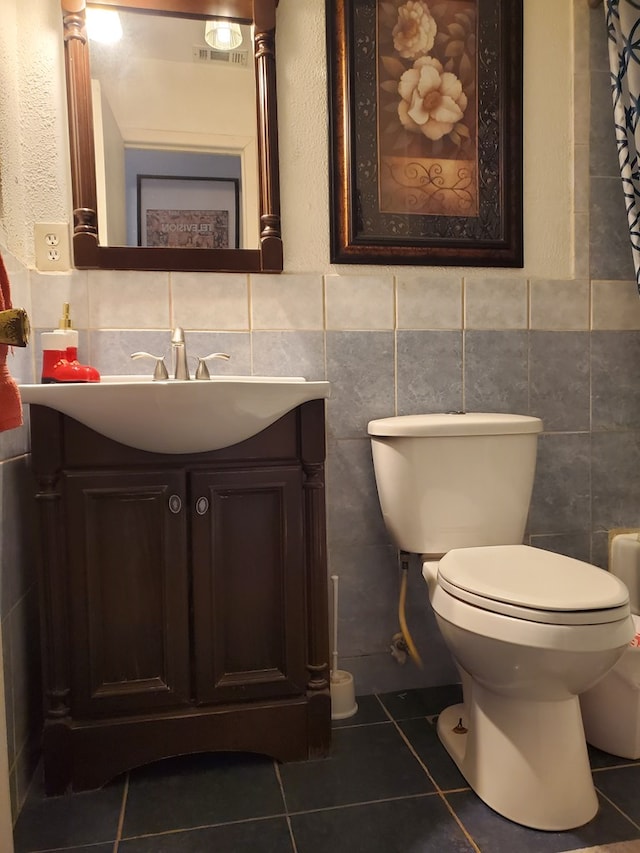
(455, 423)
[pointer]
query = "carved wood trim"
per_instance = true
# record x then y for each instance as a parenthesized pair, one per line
(313, 455)
(53, 600)
(81, 142)
(316, 560)
(270, 236)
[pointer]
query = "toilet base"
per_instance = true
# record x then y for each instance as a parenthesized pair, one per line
(527, 760)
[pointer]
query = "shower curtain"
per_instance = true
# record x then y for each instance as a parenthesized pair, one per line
(623, 27)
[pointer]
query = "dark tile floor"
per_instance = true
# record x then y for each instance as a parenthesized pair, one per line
(388, 787)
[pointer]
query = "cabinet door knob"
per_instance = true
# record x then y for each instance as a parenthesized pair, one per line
(175, 504)
(202, 505)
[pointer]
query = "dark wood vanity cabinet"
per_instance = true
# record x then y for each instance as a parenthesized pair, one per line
(128, 584)
(184, 599)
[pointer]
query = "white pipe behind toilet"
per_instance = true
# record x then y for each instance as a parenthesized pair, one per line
(611, 709)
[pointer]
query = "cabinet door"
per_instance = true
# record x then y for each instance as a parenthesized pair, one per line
(128, 591)
(248, 584)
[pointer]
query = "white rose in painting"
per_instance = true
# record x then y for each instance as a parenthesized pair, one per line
(432, 100)
(415, 32)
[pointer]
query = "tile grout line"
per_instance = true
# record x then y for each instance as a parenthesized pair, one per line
(186, 829)
(123, 807)
(615, 766)
(617, 808)
(286, 807)
(88, 846)
(343, 806)
(438, 789)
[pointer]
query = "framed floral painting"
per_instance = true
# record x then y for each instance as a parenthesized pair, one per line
(426, 131)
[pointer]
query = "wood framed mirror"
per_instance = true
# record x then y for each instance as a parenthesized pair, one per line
(255, 244)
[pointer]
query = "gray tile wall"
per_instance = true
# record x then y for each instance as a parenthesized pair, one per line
(18, 591)
(614, 340)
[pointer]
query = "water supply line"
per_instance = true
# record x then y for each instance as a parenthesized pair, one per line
(404, 628)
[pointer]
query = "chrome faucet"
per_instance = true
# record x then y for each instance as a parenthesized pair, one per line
(179, 353)
(179, 348)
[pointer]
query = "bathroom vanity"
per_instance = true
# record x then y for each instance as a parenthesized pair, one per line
(183, 597)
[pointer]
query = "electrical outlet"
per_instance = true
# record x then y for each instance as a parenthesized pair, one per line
(52, 246)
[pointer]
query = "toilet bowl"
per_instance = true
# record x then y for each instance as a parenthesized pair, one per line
(611, 709)
(524, 657)
(528, 630)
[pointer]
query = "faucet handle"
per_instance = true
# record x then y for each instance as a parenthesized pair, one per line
(160, 372)
(202, 371)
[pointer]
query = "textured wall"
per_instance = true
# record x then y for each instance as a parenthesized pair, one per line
(33, 141)
(10, 190)
(33, 102)
(303, 121)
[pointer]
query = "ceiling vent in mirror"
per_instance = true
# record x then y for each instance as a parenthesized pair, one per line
(206, 54)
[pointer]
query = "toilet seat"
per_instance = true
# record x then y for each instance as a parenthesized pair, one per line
(532, 584)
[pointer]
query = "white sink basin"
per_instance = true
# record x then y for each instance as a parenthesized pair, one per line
(178, 416)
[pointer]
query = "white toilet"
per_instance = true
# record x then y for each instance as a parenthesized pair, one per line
(611, 709)
(528, 629)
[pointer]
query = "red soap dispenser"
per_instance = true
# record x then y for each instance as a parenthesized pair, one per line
(60, 354)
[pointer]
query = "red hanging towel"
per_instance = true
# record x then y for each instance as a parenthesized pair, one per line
(10, 402)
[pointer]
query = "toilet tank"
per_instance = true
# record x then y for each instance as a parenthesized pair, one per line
(454, 480)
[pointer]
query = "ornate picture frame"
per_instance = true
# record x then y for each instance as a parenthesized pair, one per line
(188, 212)
(426, 132)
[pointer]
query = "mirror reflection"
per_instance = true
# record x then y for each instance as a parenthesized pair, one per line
(175, 142)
